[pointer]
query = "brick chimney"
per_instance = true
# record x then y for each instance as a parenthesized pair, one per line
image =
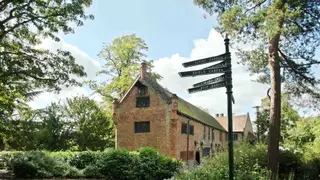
(143, 71)
(217, 115)
(174, 102)
(115, 104)
(221, 114)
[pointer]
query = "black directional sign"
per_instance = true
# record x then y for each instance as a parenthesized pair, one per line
(225, 80)
(211, 81)
(207, 60)
(218, 65)
(204, 72)
(207, 87)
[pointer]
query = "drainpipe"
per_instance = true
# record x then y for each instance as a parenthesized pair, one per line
(188, 129)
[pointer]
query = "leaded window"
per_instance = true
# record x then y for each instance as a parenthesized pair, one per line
(142, 127)
(184, 127)
(143, 102)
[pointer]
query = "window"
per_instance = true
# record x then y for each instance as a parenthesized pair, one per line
(184, 128)
(143, 102)
(226, 136)
(142, 127)
(221, 134)
(208, 133)
(191, 129)
(212, 134)
(206, 151)
(143, 91)
(235, 136)
(204, 132)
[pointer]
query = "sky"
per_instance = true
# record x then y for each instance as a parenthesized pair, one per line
(175, 32)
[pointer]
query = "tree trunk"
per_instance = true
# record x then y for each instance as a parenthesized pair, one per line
(275, 105)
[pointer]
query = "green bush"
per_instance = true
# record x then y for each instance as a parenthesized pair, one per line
(92, 171)
(247, 160)
(115, 164)
(155, 165)
(83, 159)
(40, 164)
(5, 158)
(118, 164)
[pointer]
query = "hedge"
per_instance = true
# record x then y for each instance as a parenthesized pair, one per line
(120, 164)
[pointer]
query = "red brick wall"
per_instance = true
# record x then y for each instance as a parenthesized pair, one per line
(158, 114)
(165, 127)
(198, 136)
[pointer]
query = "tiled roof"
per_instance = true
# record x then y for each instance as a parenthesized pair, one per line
(188, 109)
(239, 122)
(184, 107)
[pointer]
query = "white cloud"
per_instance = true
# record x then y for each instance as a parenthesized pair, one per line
(90, 65)
(246, 92)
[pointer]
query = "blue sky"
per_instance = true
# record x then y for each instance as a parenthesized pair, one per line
(175, 31)
(167, 26)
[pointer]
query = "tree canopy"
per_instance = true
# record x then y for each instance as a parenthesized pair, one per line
(123, 58)
(25, 68)
(283, 35)
(79, 124)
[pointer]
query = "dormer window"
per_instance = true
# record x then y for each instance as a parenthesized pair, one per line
(142, 91)
(143, 99)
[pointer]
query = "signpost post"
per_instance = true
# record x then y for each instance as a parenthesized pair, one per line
(224, 80)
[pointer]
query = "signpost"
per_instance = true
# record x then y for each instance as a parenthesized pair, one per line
(204, 72)
(206, 60)
(224, 80)
(210, 81)
(218, 65)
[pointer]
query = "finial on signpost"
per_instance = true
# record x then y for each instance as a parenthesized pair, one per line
(226, 43)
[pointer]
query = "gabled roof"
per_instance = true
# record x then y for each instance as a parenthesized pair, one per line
(188, 109)
(184, 107)
(239, 122)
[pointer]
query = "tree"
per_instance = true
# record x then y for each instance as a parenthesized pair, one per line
(284, 35)
(289, 117)
(94, 129)
(56, 130)
(122, 62)
(25, 68)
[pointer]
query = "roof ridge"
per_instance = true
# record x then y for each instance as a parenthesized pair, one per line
(196, 107)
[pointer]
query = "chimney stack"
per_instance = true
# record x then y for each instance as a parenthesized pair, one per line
(217, 115)
(143, 71)
(115, 104)
(174, 102)
(221, 115)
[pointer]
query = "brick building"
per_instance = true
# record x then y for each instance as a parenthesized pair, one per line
(242, 126)
(150, 115)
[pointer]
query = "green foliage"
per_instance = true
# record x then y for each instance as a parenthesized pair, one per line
(80, 124)
(250, 162)
(289, 118)
(122, 64)
(83, 159)
(305, 138)
(25, 68)
(115, 164)
(247, 165)
(291, 27)
(42, 165)
(118, 164)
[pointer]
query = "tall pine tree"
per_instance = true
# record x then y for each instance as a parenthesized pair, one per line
(284, 35)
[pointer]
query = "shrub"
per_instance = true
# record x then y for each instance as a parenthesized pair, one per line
(83, 159)
(40, 164)
(115, 164)
(5, 158)
(154, 165)
(118, 164)
(92, 171)
(246, 165)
